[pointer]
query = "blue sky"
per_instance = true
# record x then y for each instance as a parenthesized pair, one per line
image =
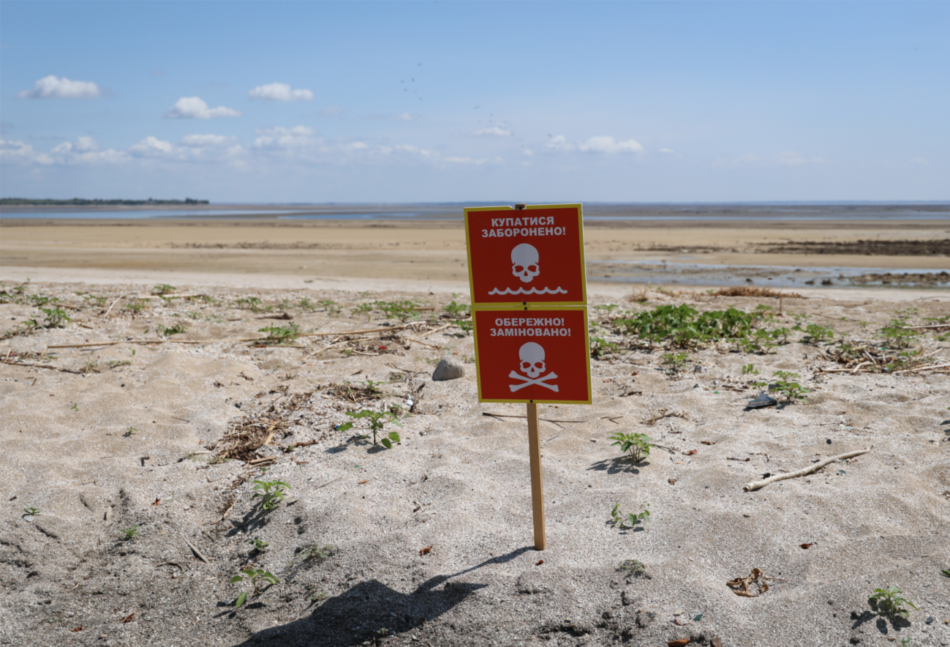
(455, 101)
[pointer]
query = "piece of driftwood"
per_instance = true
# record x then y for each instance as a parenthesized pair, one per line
(921, 368)
(52, 368)
(113, 305)
(197, 552)
(755, 485)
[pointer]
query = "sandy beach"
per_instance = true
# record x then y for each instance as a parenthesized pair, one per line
(134, 432)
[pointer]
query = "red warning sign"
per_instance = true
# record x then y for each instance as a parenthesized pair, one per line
(533, 355)
(533, 255)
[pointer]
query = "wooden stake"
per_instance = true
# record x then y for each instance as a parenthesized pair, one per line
(537, 489)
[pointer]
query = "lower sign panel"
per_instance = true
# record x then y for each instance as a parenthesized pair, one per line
(533, 355)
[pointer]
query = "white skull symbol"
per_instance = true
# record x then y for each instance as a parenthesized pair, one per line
(532, 359)
(524, 262)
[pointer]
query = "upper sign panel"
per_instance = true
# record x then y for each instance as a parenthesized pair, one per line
(532, 255)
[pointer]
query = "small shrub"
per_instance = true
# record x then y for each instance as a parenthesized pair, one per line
(629, 520)
(896, 334)
(749, 369)
(638, 445)
(889, 601)
(55, 317)
(256, 576)
(784, 386)
(675, 362)
(362, 309)
(250, 303)
(166, 331)
(280, 334)
(259, 546)
(271, 493)
(377, 420)
(32, 511)
(403, 310)
(458, 311)
(162, 289)
(815, 334)
(600, 347)
(131, 533)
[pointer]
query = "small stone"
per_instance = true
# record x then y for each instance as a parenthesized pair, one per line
(626, 598)
(681, 621)
(716, 642)
(448, 369)
(108, 515)
(28, 517)
(678, 612)
(929, 620)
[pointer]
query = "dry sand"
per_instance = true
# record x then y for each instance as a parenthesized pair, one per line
(131, 445)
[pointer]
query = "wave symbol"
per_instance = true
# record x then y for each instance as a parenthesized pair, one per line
(557, 290)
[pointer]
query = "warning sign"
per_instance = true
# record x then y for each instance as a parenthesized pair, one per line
(531, 255)
(533, 355)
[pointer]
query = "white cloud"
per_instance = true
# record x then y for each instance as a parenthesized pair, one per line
(85, 150)
(406, 117)
(606, 144)
(54, 87)
(18, 151)
(280, 92)
(206, 141)
(152, 147)
(494, 131)
(332, 110)
(284, 138)
(921, 161)
(195, 108)
(527, 152)
(599, 144)
(668, 151)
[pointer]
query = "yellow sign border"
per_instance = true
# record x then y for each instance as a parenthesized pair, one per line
(501, 304)
(530, 307)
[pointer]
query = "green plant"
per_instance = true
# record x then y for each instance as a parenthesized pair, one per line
(947, 572)
(55, 317)
(116, 363)
(784, 386)
(362, 309)
(749, 369)
(316, 595)
(41, 300)
(377, 420)
(607, 308)
(280, 334)
(330, 306)
(632, 567)
(260, 546)
(600, 347)
(130, 431)
(272, 493)
(316, 552)
(889, 601)
(675, 362)
(32, 511)
(250, 303)
(255, 576)
(162, 289)
(895, 333)
(131, 533)
(75, 406)
(306, 304)
(638, 445)
(136, 306)
(166, 331)
(458, 310)
(630, 520)
(403, 310)
(815, 334)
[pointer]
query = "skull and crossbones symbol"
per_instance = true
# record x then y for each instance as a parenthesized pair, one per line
(533, 365)
(524, 262)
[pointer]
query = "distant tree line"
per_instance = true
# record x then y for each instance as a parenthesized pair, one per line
(82, 202)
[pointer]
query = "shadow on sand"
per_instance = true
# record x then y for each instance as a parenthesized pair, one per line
(361, 612)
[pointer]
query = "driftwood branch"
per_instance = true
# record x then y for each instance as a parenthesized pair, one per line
(197, 552)
(52, 368)
(755, 485)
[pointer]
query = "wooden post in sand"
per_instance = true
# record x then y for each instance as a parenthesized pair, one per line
(537, 486)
